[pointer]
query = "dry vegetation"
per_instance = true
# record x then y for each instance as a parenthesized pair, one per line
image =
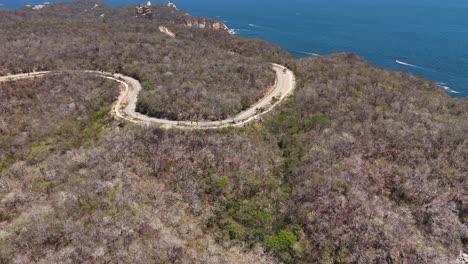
(184, 78)
(49, 114)
(378, 161)
(361, 165)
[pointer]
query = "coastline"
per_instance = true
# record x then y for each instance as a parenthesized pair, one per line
(328, 40)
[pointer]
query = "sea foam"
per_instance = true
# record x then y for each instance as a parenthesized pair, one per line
(253, 25)
(446, 88)
(309, 53)
(409, 65)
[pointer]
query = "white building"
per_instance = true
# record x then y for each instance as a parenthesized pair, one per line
(170, 4)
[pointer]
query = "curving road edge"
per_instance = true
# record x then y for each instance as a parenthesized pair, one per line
(124, 107)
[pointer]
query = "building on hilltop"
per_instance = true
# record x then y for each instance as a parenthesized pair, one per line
(144, 10)
(172, 5)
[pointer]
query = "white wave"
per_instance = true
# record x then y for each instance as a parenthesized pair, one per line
(446, 88)
(309, 53)
(237, 31)
(410, 65)
(253, 25)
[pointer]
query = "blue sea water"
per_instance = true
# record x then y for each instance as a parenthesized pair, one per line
(425, 37)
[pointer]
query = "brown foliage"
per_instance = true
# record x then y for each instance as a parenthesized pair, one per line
(194, 76)
(361, 165)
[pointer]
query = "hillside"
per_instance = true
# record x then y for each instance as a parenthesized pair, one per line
(184, 78)
(360, 165)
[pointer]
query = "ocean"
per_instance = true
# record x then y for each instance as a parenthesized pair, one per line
(428, 38)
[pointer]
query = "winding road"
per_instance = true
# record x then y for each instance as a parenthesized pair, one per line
(125, 106)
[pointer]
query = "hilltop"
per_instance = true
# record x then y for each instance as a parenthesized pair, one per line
(89, 35)
(359, 165)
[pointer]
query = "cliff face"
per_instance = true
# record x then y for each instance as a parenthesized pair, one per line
(205, 23)
(170, 13)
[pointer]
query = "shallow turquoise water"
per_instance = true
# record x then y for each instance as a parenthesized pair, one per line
(426, 37)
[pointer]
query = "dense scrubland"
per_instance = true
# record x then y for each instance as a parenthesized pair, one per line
(184, 78)
(360, 165)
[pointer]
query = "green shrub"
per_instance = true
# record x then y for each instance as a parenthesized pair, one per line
(333, 255)
(39, 151)
(95, 127)
(246, 102)
(42, 186)
(284, 245)
(114, 192)
(221, 183)
(247, 221)
(318, 122)
(111, 211)
(407, 203)
(249, 214)
(6, 163)
(7, 215)
(148, 86)
(235, 231)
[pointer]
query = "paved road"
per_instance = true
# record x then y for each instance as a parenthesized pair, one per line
(125, 106)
